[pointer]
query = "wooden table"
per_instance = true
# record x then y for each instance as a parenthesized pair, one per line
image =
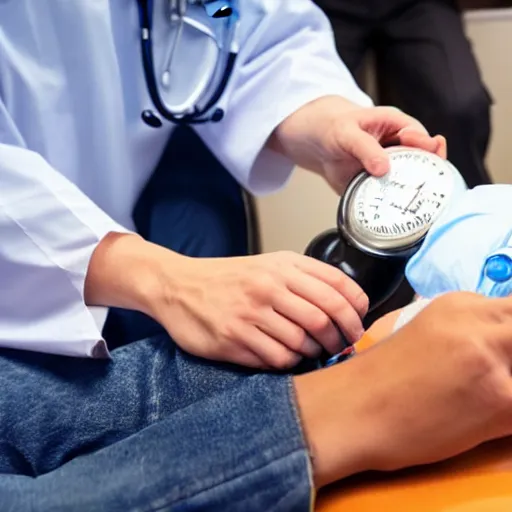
(478, 481)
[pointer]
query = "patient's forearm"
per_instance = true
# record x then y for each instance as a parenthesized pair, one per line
(335, 422)
(410, 399)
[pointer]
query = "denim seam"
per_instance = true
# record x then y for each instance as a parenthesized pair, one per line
(292, 395)
(298, 437)
(154, 402)
(220, 484)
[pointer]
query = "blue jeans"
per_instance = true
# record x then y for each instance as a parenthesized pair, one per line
(154, 429)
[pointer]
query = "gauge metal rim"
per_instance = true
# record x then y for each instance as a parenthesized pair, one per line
(344, 225)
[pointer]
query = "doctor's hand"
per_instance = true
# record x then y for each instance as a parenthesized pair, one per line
(336, 138)
(265, 311)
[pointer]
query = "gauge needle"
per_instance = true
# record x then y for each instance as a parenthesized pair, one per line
(418, 190)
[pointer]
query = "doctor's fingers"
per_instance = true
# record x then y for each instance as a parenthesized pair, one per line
(310, 323)
(364, 148)
(263, 357)
(270, 352)
(338, 280)
(369, 151)
(331, 302)
(250, 346)
(400, 128)
(413, 139)
(386, 121)
(288, 333)
(364, 136)
(243, 356)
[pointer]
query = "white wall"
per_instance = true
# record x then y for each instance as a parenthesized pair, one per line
(291, 218)
(491, 35)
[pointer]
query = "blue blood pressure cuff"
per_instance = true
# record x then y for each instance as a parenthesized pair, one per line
(496, 275)
(469, 248)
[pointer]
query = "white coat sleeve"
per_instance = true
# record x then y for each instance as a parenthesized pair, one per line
(48, 230)
(287, 59)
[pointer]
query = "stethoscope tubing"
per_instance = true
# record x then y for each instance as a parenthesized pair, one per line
(199, 116)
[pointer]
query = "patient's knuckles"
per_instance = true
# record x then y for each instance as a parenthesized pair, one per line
(499, 311)
(475, 358)
(494, 400)
(470, 347)
(463, 312)
(453, 303)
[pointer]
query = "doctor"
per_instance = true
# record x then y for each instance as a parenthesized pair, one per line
(152, 425)
(84, 87)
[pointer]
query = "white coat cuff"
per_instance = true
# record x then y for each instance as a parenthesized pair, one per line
(240, 140)
(270, 170)
(52, 230)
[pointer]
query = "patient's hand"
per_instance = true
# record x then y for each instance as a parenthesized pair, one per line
(435, 388)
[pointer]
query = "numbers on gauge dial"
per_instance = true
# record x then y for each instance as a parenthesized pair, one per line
(407, 200)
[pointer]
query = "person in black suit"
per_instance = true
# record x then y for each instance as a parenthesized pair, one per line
(425, 67)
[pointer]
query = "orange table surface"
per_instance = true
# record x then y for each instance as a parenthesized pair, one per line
(477, 481)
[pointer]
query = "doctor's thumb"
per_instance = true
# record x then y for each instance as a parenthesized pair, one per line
(368, 151)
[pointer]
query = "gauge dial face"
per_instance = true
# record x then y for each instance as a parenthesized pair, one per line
(398, 209)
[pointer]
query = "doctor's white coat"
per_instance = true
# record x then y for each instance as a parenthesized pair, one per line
(75, 154)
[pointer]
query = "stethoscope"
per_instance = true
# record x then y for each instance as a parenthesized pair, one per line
(216, 9)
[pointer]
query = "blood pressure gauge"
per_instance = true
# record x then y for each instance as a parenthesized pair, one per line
(390, 216)
(383, 221)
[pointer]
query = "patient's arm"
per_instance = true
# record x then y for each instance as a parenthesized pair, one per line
(389, 323)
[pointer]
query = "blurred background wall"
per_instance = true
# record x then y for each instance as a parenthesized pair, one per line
(292, 217)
